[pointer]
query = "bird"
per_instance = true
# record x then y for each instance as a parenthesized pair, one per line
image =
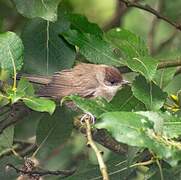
(86, 80)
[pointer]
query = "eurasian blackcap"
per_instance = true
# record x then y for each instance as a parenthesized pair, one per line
(86, 80)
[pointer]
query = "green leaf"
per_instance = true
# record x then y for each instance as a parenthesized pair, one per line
(14, 95)
(171, 126)
(155, 118)
(94, 48)
(40, 104)
(174, 86)
(95, 106)
(45, 51)
(53, 131)
(3, 100)
(81, 23)
(124, 100)
(148, 93)
(133, 51)
(126, 127)
(23, 90)
(164, 76)
(11, 159)
(37, 8)
(144, 65)
(11, 52)
(136, 130)
(6, 138)
(130, 45)
(25, 86)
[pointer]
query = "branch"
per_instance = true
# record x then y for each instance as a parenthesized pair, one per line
(152, 31)
(168, 64)
(161, 65)
(152, 11)
(17, 113)
(63, 173)
(102, 137)
(90, 142)
(121, 10)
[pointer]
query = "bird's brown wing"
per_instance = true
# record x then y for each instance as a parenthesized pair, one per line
(75, 81)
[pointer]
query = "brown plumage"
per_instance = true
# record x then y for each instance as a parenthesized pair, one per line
(86, 80)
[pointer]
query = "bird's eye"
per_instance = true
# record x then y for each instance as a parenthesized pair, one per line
(112, 82)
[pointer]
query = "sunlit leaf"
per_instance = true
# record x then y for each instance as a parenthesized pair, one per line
(14, 95)
(38, 8)
(134, 52)
(94, 106)
(40, 104)
(26, 87)
(11, 52)
(136, 130)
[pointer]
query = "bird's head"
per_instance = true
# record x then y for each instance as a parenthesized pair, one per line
(111, 81)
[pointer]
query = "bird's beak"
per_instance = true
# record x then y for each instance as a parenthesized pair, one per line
(125, 82)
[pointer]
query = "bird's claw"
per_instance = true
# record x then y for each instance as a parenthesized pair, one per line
(87, 116)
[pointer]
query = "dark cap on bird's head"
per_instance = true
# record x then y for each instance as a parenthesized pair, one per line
(113, 77)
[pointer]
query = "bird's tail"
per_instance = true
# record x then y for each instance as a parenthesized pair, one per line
(37, 79)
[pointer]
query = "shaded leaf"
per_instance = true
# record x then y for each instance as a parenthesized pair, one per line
(11, 159)
(40, 104)
(94, 48)
(3, 100)
(124, 100)
(164, 76)
(148, 93)
(6, 139)
(81, 23)
(37, 8)
(53, 131)
(11, 52)
(45, 51)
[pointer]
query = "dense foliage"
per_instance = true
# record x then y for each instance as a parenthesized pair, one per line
(145, 116)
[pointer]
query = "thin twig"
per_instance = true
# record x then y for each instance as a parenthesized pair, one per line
(152, 31)
(63, 173)
(168, 64)
(102, 165)
(160, 169)
(146, 163)
(149, 9)
(161, 65)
